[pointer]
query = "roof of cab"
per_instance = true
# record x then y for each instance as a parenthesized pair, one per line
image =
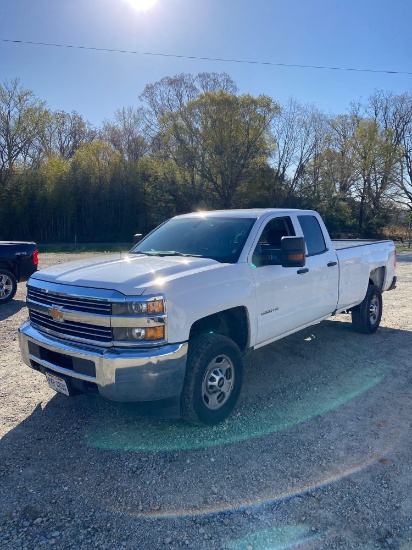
(240, 213)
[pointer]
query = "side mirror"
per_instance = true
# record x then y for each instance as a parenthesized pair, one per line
(137, 238)
(293, 252)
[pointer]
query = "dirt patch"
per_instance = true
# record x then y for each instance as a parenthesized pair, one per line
(316, 455)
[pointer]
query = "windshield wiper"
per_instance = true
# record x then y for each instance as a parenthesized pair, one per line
(174, 253)
(166, 253)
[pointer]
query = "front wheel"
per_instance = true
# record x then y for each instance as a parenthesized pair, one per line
(8, 286)
(214, 377)
(366, 317)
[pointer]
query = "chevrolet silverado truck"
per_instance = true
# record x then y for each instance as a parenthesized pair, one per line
(18, 260)
(174, 317)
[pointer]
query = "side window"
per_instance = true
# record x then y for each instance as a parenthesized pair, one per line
(313, 235)
(269, 240)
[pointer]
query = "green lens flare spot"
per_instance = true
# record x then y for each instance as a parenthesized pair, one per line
(121, 427)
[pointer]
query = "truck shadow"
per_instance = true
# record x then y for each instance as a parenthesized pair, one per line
(10, 308)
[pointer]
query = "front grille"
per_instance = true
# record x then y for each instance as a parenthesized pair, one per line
(71, 329)
(72, 303)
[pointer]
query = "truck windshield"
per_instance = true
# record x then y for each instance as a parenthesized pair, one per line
(221, 239)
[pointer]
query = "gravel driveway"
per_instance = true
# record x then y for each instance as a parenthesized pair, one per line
(317, 454)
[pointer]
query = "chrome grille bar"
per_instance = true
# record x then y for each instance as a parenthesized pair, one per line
(71, 329)
(73, 303)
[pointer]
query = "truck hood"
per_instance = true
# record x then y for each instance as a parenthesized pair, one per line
(129, 274)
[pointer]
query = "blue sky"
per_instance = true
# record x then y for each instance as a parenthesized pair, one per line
(364, 34)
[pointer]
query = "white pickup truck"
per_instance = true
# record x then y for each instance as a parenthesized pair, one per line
(173, 318)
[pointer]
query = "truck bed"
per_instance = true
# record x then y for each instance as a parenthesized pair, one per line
(340, 244)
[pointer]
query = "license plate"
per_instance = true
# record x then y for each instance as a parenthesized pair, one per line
(57, 384)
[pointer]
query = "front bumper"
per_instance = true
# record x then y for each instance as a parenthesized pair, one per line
(120, 374)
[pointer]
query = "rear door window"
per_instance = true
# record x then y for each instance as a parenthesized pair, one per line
(313, 234)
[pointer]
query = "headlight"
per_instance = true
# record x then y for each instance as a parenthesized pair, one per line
(149, 307)
(139, 334)
(139, 320)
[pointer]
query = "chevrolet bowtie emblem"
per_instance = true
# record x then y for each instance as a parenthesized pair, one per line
(57, 314)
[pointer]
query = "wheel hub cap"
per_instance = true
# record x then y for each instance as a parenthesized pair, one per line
(218, 382)
(374, 310)
(5, 286)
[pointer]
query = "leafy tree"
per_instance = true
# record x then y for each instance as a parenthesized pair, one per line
(375, 159)
(94, 168)
(58, 211)
(223, 138)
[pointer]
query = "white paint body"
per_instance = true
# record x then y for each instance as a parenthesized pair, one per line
(278, 300)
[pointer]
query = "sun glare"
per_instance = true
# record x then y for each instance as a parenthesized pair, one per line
(142, 5)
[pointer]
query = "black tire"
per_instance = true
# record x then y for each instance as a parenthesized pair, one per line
(214, 376)
(8, 286)
(366, 317)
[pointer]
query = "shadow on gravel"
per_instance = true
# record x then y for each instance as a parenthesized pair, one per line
(10, 308)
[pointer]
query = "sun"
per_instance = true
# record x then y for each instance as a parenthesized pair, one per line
(142, 5)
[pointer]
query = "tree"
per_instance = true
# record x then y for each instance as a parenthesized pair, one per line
(376, 160)
(98, 178)
(127, 133)
(224, 138)
(64, 133)
(173, 92)
(394, 113)
(406, 173)
(299, 132)
(22, 119)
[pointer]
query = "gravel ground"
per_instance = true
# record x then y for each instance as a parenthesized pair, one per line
(317, 454)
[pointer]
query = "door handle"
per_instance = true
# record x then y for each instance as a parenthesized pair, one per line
(301, 271)
(332, 264)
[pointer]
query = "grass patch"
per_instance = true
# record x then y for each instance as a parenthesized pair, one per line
(79, 248)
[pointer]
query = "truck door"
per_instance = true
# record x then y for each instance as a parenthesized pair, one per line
(323, 269)
(283, 295)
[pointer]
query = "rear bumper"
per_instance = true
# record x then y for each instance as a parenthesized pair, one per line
(393, 284)
(119, 374)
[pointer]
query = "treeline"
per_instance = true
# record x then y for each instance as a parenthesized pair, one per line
(194, 142)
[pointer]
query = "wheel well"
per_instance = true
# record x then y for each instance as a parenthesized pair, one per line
(377, 277)
(233, 323)
(10, 267)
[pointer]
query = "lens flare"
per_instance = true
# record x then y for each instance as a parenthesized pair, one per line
(119, 432)
(142, 5)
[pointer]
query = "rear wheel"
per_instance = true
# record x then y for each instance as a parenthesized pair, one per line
(366, 317)
(214, 377)
(8, 286)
